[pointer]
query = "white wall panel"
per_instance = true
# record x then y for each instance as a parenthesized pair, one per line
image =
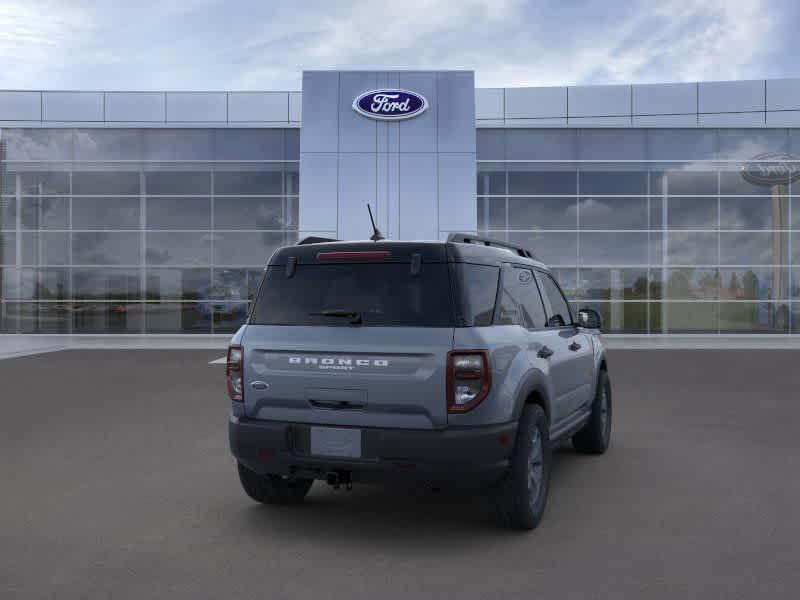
(72, 106)
(536, 103)
(136, 106)
(258, 106)
(20, 106)
(207, 107)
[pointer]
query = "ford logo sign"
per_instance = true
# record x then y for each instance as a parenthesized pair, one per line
(772, 168)
(390, 105)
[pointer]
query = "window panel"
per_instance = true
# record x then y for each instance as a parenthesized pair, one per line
(44, 183)
(492, 213)
(617, 248)
(184, 183)
(681, 144)
(559, 308)
(107, 317)
(291, 179)
(746, 144)
(291, 144)
(108, 144)
(178, 248)
(38, 144)
(754, 283)
(248, 182)
(794, 289)
(754, 212)
(619, 317)
(236, 284)
(178, 284)
(612, 284)
(568, 280)
(491, 181)
(734, 183)
(691, 284)
(692, 248)
(245, 248)
(612, 213)
(229, 316)
(98, 283)
(8, 212)
(8, 248)
(35, 284)
(178, 144)
(542, 213)
(554, 249)
(754, 248)
(680, 182)
(249, 213)
(691, 213)
(178, 213)
(178, 317)
(105, 248)
(105, 213)
(45, 213)
(45, 248)
(520, 302)
(753, 317)
(612, 144)
(490, 144)
(113, 183)
(541, 144)
(688, 317)
(38, 317)
(249, 144)
(611, 183)
(796, 210)
(529, 182)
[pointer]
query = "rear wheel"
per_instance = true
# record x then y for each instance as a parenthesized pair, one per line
(596, 434)
(520, 501)
(273, 489)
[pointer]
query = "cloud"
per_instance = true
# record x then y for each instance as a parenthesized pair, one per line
(207, 44)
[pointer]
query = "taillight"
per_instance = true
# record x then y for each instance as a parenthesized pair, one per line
(234, 374)
(469, 379)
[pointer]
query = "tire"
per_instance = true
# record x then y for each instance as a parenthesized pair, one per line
(273, 489)
(595, 436)
(521, 498)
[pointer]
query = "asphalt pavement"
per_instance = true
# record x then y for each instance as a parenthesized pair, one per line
(116, 482)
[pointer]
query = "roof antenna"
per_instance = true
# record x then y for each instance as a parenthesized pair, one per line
(376, 235)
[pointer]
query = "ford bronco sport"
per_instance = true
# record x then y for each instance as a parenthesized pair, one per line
(452, 362)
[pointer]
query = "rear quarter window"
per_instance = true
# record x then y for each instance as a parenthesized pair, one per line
(478, 292)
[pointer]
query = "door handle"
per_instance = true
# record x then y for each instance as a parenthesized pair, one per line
(574, 346)
(545, 352)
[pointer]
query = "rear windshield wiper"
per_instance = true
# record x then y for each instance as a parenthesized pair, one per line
(354, 316)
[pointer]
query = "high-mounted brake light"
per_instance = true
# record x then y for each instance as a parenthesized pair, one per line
(234, 374)
(469, 379)
(366, 255)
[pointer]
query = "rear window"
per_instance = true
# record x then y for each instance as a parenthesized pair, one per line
(380, 294)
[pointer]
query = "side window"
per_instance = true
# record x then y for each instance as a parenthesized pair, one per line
(559, 308)
(478, 286)
(521, 303)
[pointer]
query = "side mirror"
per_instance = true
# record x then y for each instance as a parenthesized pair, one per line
(589, 318)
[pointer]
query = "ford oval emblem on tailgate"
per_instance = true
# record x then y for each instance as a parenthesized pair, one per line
(390, 105)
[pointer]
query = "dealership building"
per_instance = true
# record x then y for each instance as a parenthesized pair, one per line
(671, 209)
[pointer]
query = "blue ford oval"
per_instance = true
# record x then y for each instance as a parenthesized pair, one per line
(390, 105)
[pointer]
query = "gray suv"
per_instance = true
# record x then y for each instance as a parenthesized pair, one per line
(455, 362)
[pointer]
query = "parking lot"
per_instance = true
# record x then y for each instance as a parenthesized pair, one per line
(117, 483)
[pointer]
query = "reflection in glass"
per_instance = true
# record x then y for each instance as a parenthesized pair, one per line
(692, 248)
(679, 182)
(99, 183)
(258, 183)
(691, 284)
(529, 182)
(105, 248)
(178, 144)
(612, 144)
(754, 317)
(492, 213)
(681, 144)
(107, 317)
(229, 316)
(619, 317)
(184, 183)
(539, 144)
(249, 144)
(613, 284)
(34, 284)
(45, 248)
(615, 248)
(38, 144)
(35, 183)
(612, 213)
(178, 213)
(8, 248)
(108, 144)
(491, 181)
(8, 212)
(247, 248)
(490, 144)
(744, 144)
(754, 212)
(178, 284)
(45, 213)
(105, 213)
(754, 248)
(178, 248)
(178, 317)
(613, 183)
(554, 249)
(691, 213)
(542, 213)
(755, 283)
(236, 284)
(689, 317)
(249, 213)
(35, 317)
(106, 284)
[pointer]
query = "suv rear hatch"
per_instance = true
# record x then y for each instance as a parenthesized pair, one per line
(351, 334)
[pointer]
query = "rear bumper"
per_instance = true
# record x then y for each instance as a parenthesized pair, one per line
(473, 455)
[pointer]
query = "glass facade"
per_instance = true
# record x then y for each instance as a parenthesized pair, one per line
(659, 230)
(140, 230)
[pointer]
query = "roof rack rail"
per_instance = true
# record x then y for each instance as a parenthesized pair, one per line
(313, 239)
(468, 238)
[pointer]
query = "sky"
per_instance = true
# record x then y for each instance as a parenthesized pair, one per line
(265, 45)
